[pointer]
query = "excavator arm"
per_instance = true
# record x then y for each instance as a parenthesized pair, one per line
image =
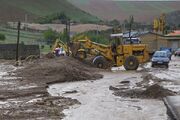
(103, 50)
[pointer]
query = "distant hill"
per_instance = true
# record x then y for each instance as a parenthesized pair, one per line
(143, 11)
(13, 10)
(173, 18)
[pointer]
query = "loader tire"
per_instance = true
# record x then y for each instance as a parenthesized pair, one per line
(131, 63)
(81, 55)
(100, 62)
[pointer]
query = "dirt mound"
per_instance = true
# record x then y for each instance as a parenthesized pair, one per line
(50, 55)
(62, 69)
(153, 92)
(28, 98)
(156, 91)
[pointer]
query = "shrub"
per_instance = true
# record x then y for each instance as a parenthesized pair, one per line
(50, 36)
(42, 46)
(2, 37)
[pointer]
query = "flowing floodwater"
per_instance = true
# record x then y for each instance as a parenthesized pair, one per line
(99, 103)
(170, 75)
(5, 69)
(6, 73)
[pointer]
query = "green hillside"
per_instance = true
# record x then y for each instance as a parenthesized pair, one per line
(11, 10)
(142, 10)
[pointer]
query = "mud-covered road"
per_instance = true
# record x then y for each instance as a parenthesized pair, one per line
(23, 93)
(26, 94)
(26, 100)
(99, 103)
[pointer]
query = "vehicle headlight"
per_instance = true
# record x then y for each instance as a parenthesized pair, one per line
(153, 60)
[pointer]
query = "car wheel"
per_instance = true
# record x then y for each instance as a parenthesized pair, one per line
(167, 66)
(152, 65)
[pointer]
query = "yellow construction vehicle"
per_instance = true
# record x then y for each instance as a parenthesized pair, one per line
(117, 53)
(59, 43)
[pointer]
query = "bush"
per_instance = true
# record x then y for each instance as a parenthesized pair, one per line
(2, 37)
(101, 37)
(42, 46)
(50, 18)
(50, 36)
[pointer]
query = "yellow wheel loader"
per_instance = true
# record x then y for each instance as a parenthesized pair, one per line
(114, 54)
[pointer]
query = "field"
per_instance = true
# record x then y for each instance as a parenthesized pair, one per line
(143, 11)
(25, 36)
(39, 8)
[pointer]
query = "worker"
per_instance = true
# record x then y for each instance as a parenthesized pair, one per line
(57, 50)
(61, 51)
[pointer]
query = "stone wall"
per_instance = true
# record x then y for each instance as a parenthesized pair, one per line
(8, 51)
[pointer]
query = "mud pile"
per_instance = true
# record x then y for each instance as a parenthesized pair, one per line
(27, 97)
(154, 92)
(62, 69)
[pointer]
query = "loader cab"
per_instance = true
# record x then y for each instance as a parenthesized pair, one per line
(116, 39)
(116, 43)
(132, 40)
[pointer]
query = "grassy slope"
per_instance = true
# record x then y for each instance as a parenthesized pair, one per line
(143, 11)
(160, 7)
(25, 36)
(46, 7)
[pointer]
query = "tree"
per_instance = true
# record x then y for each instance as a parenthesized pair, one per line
(2, 37)
(62, 17)
(50, 36)
(64, 36)
(179, 26)
(115, 22)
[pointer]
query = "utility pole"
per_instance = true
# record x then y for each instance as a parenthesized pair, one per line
(18, 36)
(68, 29)
(130, 25)
(26, 21)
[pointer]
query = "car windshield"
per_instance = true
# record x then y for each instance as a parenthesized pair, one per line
(160, 54)
(178, 49)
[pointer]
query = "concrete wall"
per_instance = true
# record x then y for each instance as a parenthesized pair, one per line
(161, 42)
(174, 44)
(155, 42)
(8, 51)
(150, 40)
